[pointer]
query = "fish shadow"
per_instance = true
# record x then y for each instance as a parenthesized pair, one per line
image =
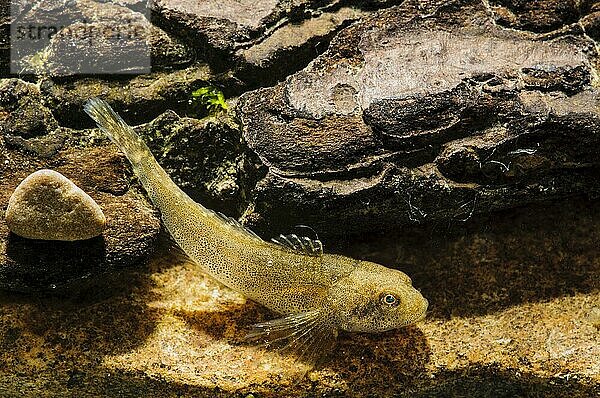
(230, 323)
(397, 357)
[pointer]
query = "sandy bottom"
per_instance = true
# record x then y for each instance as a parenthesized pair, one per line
(515, 311)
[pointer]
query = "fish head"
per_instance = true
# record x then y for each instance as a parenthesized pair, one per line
(375, 299)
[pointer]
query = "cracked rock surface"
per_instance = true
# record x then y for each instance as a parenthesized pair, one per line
(410, 118)
(262, 41)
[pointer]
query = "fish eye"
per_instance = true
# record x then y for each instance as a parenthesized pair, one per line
(388, 299)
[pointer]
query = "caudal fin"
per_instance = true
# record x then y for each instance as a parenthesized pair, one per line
(118, 131)
(156, 182)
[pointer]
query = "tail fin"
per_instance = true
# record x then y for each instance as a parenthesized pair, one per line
(154, 179)
(117, 130)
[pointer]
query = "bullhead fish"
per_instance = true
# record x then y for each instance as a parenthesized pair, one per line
(316, 294)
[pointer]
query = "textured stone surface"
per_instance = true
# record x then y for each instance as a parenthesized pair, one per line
(539, 15)
(131, 228)
(222, 26)
(69, 49)
(408, 119)
(47, 205)
(21, 112)
(138, 99)
(591, 24)
(290, 47)
(261, 41)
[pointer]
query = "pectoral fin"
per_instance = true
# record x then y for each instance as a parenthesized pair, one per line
(308, 335)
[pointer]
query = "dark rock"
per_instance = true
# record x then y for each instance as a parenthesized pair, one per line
(262, 41)
(138, 99)
(69, 51)
(407, 119)
(221, 26)
(539, 15)
(5, 20)
(33, 27)
(132, 226)
(206, 158)
(591, 25)
(21, 111)
(45, 146)
(95, 37)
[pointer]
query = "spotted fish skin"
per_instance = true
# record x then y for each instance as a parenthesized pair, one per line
(317, 294)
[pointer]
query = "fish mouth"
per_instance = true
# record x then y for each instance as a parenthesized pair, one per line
(423, 314)
(415, 319)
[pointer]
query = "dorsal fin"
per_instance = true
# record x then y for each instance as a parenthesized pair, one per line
(236, 224)
(301, 244)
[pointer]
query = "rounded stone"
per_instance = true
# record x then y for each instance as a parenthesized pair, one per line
(47, 205)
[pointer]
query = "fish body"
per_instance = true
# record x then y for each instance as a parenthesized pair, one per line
(318, 294)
